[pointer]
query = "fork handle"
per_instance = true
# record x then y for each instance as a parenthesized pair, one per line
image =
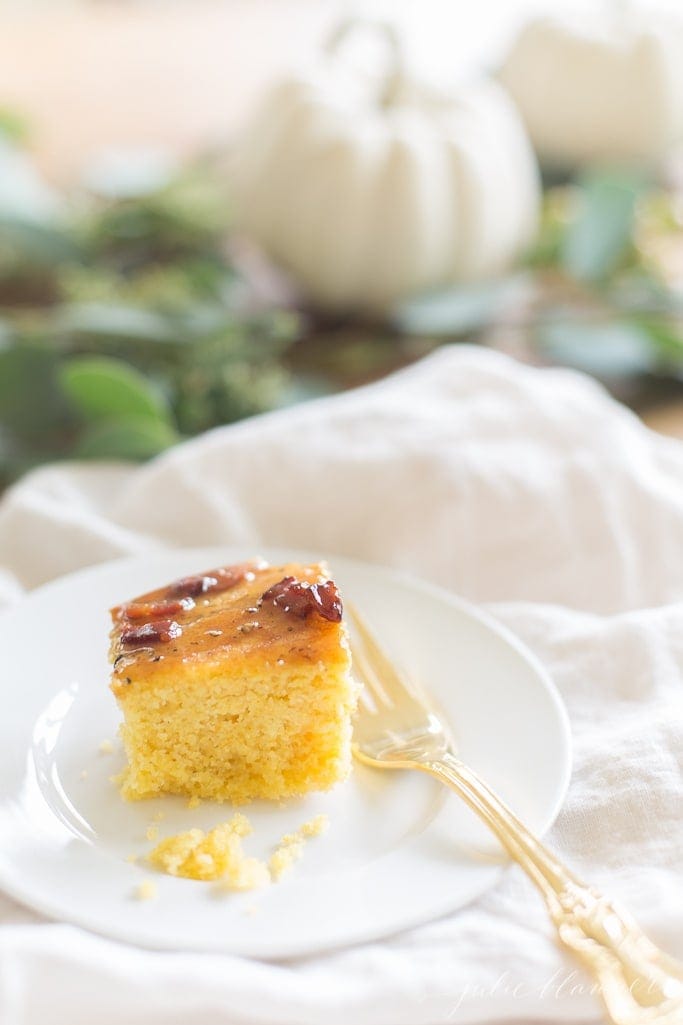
(638, 982)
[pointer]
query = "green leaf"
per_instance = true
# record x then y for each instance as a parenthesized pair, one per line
(31, 402)
(458, 311)
(41, 244)
(12, 125)
(666, 338)
(126, 438)
(612, 350)
(100, 388)
(599, 237)
(114, 321)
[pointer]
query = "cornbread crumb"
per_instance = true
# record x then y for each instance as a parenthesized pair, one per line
(106, 747)
(147, 890)
(152, 832)
(194, 802)
(283, 858)
(217, 854)
(241, 824)
(291, 846)
(132, 858)
(248, 874)
(159, 816)
(315, 826)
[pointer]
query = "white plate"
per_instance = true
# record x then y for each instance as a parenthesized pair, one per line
(400, 849)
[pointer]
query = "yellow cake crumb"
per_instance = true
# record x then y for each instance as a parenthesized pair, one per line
(152, 832)
(291, 846)
(217, 854)
(146, 890)
(248, 874)
(315, 826)
(132, 858)
(106, 747)
(159, 816)
(83, 774)
(283, 858)
(194, 801)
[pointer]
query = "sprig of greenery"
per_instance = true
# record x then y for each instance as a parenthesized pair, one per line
(123, 328)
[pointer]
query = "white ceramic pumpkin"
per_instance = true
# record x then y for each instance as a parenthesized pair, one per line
(602, 86)
(368, 191)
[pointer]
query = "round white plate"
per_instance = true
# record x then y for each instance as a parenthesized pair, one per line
(400, 849)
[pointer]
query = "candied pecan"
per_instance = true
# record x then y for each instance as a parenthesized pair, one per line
(213, 581)
(151, 633)
(300, 598)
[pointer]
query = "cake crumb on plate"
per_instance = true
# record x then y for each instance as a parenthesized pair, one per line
(106, 747)
(146, 890)
(216, 855)
(291, 846)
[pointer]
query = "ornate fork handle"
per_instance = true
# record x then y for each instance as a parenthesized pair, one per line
(638, 983)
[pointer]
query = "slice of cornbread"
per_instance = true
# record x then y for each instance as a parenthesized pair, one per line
(234, 684)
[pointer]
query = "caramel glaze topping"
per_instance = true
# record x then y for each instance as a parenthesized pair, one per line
(239, 606)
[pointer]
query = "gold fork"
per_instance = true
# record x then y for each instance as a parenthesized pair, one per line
(396, 729)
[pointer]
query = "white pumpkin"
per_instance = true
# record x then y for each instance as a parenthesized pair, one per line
(606, 86)
(370, 191)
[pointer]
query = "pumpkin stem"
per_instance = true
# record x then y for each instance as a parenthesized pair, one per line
(389, 35)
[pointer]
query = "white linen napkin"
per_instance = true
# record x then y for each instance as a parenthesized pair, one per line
(528, 490)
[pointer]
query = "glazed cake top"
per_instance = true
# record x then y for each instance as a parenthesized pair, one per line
(232, 612)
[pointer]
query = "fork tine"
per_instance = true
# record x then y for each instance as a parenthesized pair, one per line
(372, 685)
(379, 673)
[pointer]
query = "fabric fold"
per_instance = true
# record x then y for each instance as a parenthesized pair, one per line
(527, 490)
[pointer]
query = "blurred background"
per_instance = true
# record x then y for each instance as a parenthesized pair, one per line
(211, 208)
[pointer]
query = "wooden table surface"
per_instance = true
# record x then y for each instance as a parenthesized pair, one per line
(667, 419)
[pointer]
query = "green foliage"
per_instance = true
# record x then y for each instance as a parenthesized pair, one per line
(617, 347)
(124, 329)
(12, 126)
(125, 437)
(599, 238)
(99, 388)
(125, 323)
(459, 311)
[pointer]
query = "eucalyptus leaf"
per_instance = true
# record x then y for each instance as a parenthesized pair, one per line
(112, 321)
(40, 244)
(126, 438)
(459, 311)
(600, 236)
(610, 350)
(100, 388)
